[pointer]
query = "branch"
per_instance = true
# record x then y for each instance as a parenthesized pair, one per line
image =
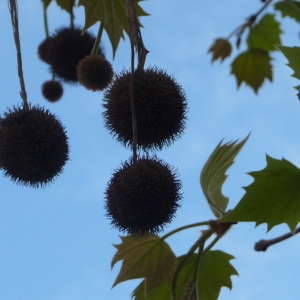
(13, 9)
(263, 245)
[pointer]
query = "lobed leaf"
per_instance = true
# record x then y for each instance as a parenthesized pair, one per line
(289, 9)
(213, 175)
(220, 49)
(150, 258)
(265, 34)
(252, 67)
(214, 273)
(113, 14)
(273, 197)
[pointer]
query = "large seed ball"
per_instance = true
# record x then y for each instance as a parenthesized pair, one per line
(142, 196)
(33, 146)
(44, 50)
(160, 108)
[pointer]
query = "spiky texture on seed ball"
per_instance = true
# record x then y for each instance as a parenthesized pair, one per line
(94, 72)
(33, 146)
(52, 90)
(160, 105)
(44, 50)
(142, 196)
(68, 48)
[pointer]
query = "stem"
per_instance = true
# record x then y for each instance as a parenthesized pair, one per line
(13, 9)
(98, 39)
(215, 240)
(263, 245)
(183, 228)
(46, 21)
(71, 14)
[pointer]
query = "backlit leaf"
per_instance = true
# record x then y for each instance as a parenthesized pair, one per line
(160, 292)
(273, 197)
(220, 49)
(150, 258)
(289, 9)
(113, 14)
(252, 67)
(213, 174)
(214, 273)
(265, 34)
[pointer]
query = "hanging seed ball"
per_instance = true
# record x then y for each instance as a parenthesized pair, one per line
(44, 50)
(142, 196)
(160, 106)
(94, 72)
(68, 49)
(52, 90)
(33, 146)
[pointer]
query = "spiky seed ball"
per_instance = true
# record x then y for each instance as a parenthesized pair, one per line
(94, 72)
(142, 196)
(69, 47)
(44, 50)
(33, 146)
(160, 108)
(52, 90)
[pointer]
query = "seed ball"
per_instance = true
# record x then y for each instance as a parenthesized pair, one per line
(94, 72)
(142, 196)
(160, 106)
(33, 146)
(44, 50)
(69, 47)
(52, 90)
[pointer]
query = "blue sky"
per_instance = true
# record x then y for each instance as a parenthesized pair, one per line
(56, 243)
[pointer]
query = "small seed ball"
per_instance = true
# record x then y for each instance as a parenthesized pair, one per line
(44, 50)
(94, 72)
(69, 47)
(160, 106)
(33, 146)
(142, 196)
(52, 90)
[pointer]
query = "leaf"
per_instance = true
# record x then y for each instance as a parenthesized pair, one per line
(112, 14)
(213, 174)
(273, 197)
(289, 9)
(265, 34)
(150, 258)
(221, 48)
(139, 292)
(161, 292)
(46, 3)
(292, 55)
(252, 67)
(214, 273)
(65, 4)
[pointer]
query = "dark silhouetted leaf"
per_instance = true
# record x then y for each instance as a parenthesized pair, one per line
(220, 49)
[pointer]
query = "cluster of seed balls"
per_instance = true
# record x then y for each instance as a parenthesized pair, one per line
(143, 195)
(67, 52)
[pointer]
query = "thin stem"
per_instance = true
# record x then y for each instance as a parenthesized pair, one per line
(263, 245)
(214, 241)
(98, 39)
(46, 21)
(184, 228)
(71, 14)
(13, 9)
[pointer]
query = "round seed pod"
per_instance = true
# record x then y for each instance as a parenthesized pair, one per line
(68, 48)
(160, 106)
(94, 72)
(33, 146)
(52, 90)
(142, 196)
(44, 50)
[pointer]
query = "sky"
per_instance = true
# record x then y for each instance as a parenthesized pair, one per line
(56, 243)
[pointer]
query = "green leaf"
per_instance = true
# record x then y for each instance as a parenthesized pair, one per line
(46, 3)
(213, 174)
(252, 67)
(150, 258)
(265, 34)
(161, 292)
(214, 273)
(273, 197)
(113, 14)
(292, 54)
(289, 9)
(220, 49)
(139, 292)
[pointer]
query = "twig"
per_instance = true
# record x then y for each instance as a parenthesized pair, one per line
(263, 245)
(13, 9)
(71, 14)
